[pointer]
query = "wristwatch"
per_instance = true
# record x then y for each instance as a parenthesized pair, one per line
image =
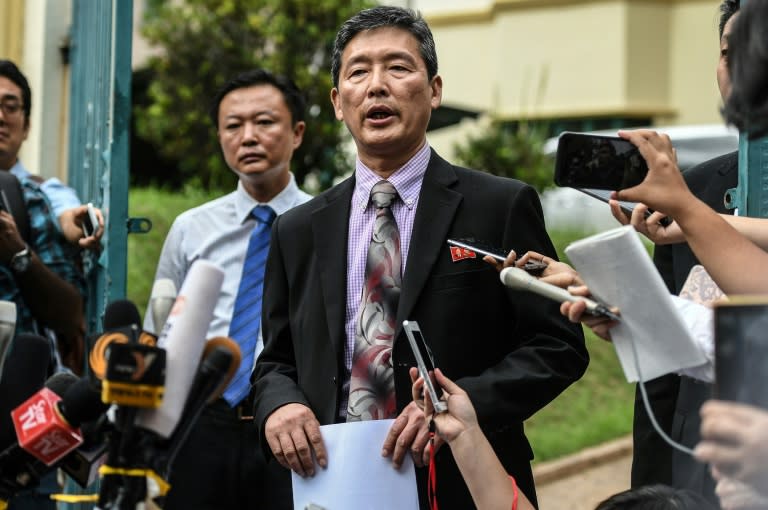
(20, 261)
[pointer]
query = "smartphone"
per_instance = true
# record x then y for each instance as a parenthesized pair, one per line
(91, 221)
(597, 161)
(424, 361)
(626, 207)
(741, 373)
(534, 267)
(4, 206)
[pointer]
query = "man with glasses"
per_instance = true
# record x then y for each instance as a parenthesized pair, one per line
(16, 107)
(36, 271)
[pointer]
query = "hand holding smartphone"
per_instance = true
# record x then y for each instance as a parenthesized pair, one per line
(597, 161)
(90, 221)
(424, 362)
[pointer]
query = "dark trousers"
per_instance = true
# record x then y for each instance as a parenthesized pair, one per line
(688, 473)
(652, 457)
(221, 467)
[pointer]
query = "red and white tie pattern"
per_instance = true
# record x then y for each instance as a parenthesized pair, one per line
(372, 384)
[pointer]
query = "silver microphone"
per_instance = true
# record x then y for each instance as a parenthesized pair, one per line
(516, 278)
(161, 301)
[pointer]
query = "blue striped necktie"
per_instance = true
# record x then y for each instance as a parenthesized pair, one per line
(246, 317)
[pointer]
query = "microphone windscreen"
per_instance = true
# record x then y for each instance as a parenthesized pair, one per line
(81, 403)
(183, 338)
(223, 355)
(28, 364)
(60, 382)
(121, 313)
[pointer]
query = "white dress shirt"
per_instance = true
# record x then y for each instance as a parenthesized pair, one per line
(218, 231)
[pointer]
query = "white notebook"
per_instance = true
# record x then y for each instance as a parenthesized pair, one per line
(616, 267)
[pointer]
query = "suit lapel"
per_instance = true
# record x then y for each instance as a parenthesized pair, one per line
(436, 209)
(330, 228)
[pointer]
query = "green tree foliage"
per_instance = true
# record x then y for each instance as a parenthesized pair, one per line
(509, 150)
(202, 43)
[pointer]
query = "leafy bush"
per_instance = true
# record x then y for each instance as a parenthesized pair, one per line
(509, 150)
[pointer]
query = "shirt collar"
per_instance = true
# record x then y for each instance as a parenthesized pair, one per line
(244, 203)
(18, 170)
(406, 179)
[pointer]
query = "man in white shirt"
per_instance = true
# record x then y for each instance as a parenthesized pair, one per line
(260, 122)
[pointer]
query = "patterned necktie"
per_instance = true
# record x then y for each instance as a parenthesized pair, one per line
(246, 318)
(372, 384)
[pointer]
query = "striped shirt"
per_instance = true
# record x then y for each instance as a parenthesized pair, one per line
(407, 181)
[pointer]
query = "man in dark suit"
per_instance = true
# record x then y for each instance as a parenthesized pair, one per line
(511, 351)
(676, 400)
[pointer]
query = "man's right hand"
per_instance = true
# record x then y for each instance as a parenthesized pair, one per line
(10, 240)
(293, 434)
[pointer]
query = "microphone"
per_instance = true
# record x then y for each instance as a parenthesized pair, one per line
(516, 278)
(82, 465)
(47, 426)
(121, 326)
(7, 329)
(221, 359)
(183, 337)
(28, 363)
(160, 302)
(121, 313)
(141, 430)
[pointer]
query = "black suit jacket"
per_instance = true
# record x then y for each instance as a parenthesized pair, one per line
(675, 400)
(512, 352)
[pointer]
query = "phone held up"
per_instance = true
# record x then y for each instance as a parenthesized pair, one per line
(597, 161)
(534, 267)
(90, 222)
(425, 362)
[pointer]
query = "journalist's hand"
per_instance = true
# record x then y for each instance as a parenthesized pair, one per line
(735, 441)
(11, 242)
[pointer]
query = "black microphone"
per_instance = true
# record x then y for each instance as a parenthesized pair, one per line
(121, 313)
(27, 366)
(221, 359)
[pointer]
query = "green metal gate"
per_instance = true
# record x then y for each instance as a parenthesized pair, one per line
(99, 124)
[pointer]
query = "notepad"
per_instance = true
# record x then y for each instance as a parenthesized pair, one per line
(618, 270)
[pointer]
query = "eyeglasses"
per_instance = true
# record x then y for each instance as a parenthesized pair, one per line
(10, 105)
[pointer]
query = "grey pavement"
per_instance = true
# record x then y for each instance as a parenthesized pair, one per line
(582, 480)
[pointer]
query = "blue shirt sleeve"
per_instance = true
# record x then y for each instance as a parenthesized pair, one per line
(62, 197)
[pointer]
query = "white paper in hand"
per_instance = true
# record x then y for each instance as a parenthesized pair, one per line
(616, 267)
(357, 476)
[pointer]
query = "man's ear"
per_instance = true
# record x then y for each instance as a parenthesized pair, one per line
(336, 101)
(437, 91)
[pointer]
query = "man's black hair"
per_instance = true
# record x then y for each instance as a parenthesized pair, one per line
(293, 97)
(656, 497)
(385, 16)
(727, 9)
(747, 106)
(10, 71)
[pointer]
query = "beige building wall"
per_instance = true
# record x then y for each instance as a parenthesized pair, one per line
(12, 30)
(561, 58)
